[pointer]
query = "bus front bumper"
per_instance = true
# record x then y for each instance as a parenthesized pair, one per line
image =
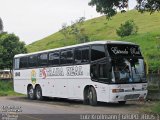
(126, 96)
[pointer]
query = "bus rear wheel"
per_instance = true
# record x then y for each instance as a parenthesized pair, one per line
(39, 93)
(92, 96)
(31, 93)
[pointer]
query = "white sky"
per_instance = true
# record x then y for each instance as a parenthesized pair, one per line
(33, 20)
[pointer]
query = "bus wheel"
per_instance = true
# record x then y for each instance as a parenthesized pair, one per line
(39, 93)
(122, 102)
(31, 93)
(92, 96)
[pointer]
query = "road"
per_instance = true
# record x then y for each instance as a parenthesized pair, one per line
(60, 108)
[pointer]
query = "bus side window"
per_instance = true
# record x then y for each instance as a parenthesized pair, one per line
(63, 57)
(43, 59)
(97, 52)
(16, 63)
(23, 62)
(69, 57)
(32, 61)
(81, 55)
(53, 58)
(77, 55)
(85, 54)
(94, 71)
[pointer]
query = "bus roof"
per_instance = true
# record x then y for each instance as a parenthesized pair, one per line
(77, 45)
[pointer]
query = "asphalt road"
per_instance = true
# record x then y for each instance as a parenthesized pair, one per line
(60, 109)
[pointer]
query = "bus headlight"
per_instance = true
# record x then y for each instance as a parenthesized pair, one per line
(117, 90)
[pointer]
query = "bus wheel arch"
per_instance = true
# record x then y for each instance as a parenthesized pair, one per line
(31, 92)
(90, 95)
(38, 92)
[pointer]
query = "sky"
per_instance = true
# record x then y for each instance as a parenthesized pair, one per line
(33, 20)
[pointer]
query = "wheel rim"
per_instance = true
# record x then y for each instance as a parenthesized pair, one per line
(38, 93)
(31, 93)
(90, 96)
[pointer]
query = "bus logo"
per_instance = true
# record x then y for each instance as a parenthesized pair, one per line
(44, 73)
(33, 76)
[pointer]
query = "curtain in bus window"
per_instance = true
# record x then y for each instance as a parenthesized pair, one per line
(85, 54)
(23, 62)
(63, 58)
(78, 55)
(43, 59)
(69, 56)
(32, 61)
(53, 58)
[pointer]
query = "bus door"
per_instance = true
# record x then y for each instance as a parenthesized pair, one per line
(101, 73)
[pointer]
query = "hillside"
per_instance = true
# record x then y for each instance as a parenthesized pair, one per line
(148, 36)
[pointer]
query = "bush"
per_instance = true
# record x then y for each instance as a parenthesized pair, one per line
(126, 29)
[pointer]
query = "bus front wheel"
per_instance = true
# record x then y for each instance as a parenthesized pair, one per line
(39, 93)
(31, 93)
(92, 96)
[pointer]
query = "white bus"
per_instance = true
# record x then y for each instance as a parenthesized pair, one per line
(106, 71)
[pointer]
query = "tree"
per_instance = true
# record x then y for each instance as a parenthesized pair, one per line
(1, 26)
(110, 7)
(10, 46)
(126, 29)
(78, 31)
(65, 31)
(148, 5)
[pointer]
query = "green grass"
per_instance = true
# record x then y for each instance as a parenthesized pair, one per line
(153, 108)
(148, 36)
(6, 88)
(156, 108)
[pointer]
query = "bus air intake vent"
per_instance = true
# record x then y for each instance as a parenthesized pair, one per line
(132, 96)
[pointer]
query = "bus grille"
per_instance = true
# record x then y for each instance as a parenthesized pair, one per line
(132, 96)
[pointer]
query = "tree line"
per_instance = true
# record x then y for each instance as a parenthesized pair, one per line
(10, 45)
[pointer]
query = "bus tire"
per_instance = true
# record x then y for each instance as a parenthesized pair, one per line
(92, 96)
(122, 102)
(86, 99)
(39, 93)
(31, 93)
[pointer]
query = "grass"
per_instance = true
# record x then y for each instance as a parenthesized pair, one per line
(153, 108)
(156, 108)
(148, 36)
(6, 88)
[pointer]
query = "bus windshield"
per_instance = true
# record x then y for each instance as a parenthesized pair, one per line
(129, 70)
(127, 64)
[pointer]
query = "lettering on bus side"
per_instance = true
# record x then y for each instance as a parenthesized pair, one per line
(55, 71)
(74, 71)
(17, 74)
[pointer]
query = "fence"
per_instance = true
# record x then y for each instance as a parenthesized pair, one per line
(5, 75)
(153, 86)
(153, 79)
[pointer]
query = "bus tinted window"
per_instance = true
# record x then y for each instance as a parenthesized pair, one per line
(85, 55)
(43, 59)
(78, 55)
(97, 52)
(53, 58)
(63, 57)
(23, 62)
(69, 57)
(81, 55)
(32, 61)
(16, 63)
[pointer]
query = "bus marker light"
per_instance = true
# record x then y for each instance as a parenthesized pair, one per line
(117, 90)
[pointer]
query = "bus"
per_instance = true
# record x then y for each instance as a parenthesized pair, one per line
(105, 71)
